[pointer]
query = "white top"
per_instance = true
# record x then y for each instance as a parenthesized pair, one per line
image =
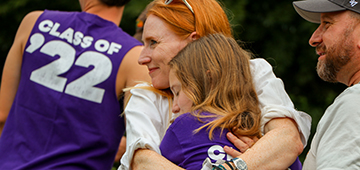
(148, 113)
(336, 144)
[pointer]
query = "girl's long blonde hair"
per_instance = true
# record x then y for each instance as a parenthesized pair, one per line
(215, 74)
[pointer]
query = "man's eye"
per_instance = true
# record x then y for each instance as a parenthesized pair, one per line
(326, 23)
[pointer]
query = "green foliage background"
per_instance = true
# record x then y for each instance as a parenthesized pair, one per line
(271, 28)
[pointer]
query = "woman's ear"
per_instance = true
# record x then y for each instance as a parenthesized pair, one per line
(193, 36)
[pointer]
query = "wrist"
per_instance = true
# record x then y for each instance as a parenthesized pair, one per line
(233, 164)
(240, 164)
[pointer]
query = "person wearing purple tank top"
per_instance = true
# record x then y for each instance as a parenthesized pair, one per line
(213, 94)
(61, 85)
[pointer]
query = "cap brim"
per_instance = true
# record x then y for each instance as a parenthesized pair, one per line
(311, 9)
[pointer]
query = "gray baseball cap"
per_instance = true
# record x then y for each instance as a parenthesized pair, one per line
(311, 9)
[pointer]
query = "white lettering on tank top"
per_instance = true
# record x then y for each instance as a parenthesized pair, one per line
(78, 38)
(217, 152)
(49, 75)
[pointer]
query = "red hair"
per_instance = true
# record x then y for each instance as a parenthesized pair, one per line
(208, 17)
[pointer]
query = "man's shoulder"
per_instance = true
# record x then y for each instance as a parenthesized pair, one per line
(350, 94)
(346, 105)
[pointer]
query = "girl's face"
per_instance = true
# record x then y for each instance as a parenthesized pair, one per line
(181, 103)
(160, 45)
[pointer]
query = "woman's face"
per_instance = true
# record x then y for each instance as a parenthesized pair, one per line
(160, 45)
(181, 103)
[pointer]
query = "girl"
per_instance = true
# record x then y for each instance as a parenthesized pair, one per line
(213, 94)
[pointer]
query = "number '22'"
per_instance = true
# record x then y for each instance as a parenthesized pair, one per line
(83, 87)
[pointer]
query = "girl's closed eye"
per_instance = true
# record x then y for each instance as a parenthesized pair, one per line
(174, 91)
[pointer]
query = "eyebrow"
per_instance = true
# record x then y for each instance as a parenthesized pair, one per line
(326, 16)
(145, 39)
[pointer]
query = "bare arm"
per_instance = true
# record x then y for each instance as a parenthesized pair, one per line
(129, 74)
(147, 159)
(121, 149)
(277, 149)
(12, 68)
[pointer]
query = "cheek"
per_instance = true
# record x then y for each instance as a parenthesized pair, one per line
(170, 50)
(185, 103)
(162, 56)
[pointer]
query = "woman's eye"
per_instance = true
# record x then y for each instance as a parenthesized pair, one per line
(152, 42)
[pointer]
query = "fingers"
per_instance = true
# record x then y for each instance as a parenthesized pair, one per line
(242, 143)
(242, 146)
(248, 141)
(232, 152)
(255, 139)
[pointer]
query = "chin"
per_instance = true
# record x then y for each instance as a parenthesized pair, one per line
(160, 85)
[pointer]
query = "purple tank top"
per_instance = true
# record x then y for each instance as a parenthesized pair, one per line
(187, 149)
(66, 114)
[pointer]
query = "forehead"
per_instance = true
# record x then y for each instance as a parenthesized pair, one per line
(156, 27)
(152, 21)
(172, 75)
(173, 80)
(336, 16)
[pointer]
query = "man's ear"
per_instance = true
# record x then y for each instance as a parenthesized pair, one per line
(193, 36)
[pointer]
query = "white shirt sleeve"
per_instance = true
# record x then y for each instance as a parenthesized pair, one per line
(274, 101)
(146, 122)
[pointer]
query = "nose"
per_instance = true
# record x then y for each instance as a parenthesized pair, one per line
(144, 57)
(175, 107)
(316, 38)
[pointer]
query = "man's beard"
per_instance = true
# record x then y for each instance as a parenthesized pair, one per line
(336, 58)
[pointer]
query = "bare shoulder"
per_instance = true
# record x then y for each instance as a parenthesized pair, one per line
(29, 20)
(26, 26)
(133, 54)
(33, 15)
(131, 72)
(139, 72)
